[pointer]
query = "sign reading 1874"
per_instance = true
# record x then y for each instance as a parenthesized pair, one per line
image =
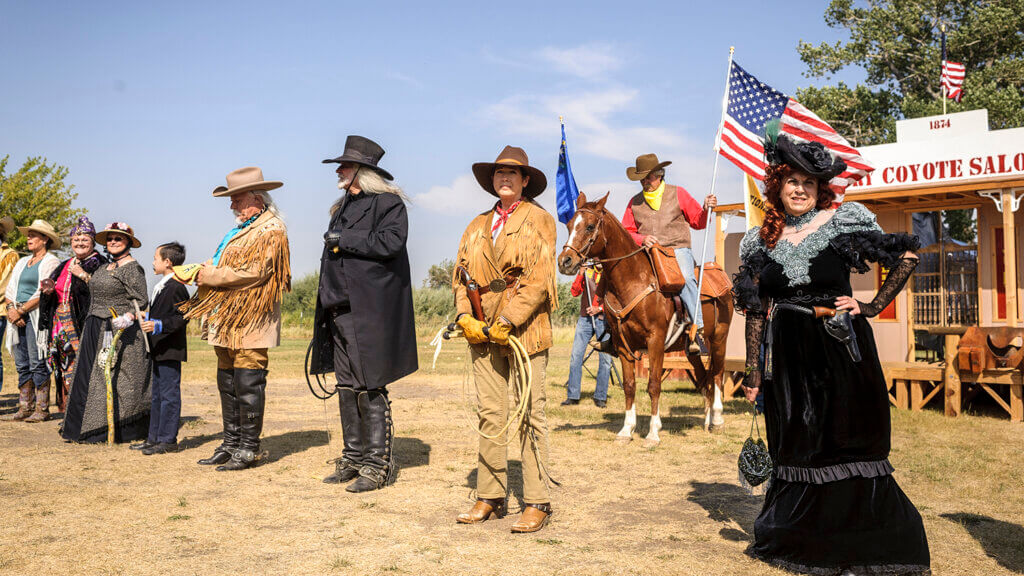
(937, 124)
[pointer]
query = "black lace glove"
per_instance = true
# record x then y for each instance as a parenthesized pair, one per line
(754, 333)
(894, 283)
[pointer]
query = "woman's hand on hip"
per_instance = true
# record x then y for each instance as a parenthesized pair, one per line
(848, 303)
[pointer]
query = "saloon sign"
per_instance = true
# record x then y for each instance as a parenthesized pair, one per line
(956, 148)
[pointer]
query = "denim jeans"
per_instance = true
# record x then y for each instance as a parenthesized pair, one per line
(31, 368)
(584, 331)
(691, 299)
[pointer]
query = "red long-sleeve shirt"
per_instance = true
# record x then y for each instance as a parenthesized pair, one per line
(577, 290)
(694, 213)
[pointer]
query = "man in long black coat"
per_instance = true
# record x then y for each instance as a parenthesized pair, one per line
(364, 330)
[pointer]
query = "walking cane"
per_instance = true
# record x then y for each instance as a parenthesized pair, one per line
(108, 361)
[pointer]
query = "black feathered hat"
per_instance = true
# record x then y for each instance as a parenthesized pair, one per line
(809, 157)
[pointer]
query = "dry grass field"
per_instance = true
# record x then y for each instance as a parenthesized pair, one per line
(677, 509)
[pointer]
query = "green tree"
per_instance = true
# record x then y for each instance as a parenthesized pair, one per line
(37, 191)
(897, 43)
(301, 301)
(440, 275)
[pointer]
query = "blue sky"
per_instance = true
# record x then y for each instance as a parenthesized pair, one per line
(150, 105)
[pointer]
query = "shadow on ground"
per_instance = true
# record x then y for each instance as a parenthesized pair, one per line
(727, 503)
(411, 452)
(613, 423)
(284, 445)
(1002, 541)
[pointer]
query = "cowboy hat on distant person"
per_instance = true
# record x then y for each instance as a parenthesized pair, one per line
(40, 226)
(645, 164)
(249, 179)
(363, 151)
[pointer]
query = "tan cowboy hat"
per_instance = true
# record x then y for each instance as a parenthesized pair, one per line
(6, 225)
(645, 164)
(248, 179)
(42, 227)
(511, 156)
(119, 228)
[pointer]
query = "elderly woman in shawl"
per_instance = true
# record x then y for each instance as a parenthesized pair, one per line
(64, 305)
(118, 292)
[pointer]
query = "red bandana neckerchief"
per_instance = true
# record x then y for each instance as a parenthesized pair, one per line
(502, 215)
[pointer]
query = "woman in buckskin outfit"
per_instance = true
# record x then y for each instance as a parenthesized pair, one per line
(119, 286)
(833, 506)
(514, 241)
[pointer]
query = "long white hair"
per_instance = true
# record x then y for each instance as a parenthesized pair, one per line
(371, 182)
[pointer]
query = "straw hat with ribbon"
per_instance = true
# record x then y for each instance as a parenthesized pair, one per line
(118, 228)
(42, 227)
(511, 156)
(249, 179)
(645, 164)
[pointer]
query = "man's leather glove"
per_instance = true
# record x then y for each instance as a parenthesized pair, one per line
(331, 238)
(499, 332)
(472, 328)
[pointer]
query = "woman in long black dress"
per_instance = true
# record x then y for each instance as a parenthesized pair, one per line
(119, 286)
(833, 506)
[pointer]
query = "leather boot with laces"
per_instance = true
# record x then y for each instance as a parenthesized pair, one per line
(378, 469)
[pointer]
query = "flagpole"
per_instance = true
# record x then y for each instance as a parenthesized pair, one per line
(714, 176)
(943, 28)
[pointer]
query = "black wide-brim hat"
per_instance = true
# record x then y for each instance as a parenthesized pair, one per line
(511, 156)
(362, 151)
(811, 158)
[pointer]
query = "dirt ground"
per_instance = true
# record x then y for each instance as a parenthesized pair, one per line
(677, 509)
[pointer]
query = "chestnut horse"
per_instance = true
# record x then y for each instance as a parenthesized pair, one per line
(638, 314)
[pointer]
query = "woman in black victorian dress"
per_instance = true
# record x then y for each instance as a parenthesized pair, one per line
(833, 506)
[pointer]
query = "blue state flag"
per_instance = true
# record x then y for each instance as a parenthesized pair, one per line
(565, 185)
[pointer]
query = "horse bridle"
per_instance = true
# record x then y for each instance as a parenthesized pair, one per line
(585, 253)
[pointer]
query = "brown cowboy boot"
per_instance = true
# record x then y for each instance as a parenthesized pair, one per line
(693, 336)
(535, 517)
(482, 511)
(42, 412)
(26, 404)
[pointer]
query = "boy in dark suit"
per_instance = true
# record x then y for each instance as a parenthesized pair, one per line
(166, 328)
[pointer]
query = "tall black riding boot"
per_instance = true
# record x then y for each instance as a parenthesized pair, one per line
(250, 388)
(378, 469)
(347, 467)
(229, 413)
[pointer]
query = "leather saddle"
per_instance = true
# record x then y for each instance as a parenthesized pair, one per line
(991, 348)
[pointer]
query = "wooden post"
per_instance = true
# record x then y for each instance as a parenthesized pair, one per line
(1009, 257)
(952, 376)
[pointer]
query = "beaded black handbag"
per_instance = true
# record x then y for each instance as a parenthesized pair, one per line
(755, 464)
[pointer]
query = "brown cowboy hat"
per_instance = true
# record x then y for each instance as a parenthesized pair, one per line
(511, 156)
(249, 179)
(117, 228)
(42, 227)
(645, 164)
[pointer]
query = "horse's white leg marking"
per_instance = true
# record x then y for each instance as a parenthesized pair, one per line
(716, 408)
(627, 427)
(652, 439)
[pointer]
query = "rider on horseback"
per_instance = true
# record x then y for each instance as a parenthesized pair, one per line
(651, 221)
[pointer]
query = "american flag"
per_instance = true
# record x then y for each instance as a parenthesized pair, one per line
(953, 79)
(953, 73)
(752, 103)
